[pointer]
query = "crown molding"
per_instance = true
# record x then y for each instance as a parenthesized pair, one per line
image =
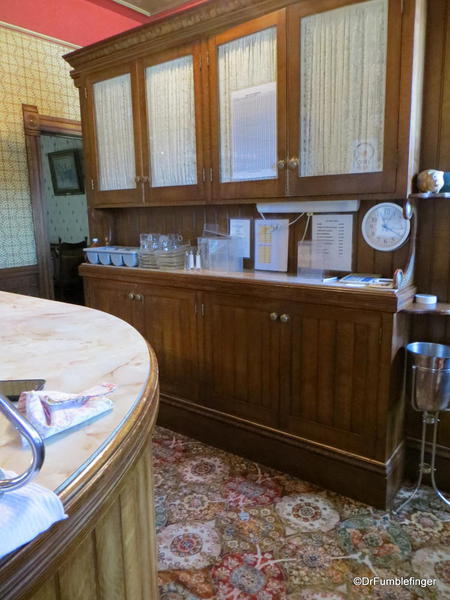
(170, 31)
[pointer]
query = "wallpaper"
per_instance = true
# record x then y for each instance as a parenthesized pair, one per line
(66, 215)
(31, 72)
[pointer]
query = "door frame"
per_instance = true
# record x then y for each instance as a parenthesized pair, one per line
(34, 125)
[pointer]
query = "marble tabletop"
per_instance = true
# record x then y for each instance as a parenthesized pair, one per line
(73, 348)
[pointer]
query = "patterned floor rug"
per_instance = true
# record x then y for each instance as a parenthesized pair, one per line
(230, 529)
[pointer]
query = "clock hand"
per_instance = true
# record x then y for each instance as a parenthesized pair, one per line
(393, 231)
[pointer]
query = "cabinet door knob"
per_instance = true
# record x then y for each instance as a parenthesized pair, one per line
(139, 297)
(131, 296)
(273, 316)
(285, 318)
(293, 163)
(138, 179)
(281, 164)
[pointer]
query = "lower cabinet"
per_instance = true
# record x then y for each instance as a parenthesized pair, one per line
(306, 387)
(114, 297)
(166, 317)
(241, 357)
(330, 367)
(169, 323)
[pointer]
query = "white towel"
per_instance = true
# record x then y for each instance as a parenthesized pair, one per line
(53, 412)
(25, 513)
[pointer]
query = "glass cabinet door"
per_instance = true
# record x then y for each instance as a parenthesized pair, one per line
(115, 163)
(173, 152)
(341, 105)
(248, 100)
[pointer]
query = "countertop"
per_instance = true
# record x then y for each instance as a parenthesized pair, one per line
(271, 284)
(72, 348)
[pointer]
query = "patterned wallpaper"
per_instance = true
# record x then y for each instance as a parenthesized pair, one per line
(31, 72)
(66, 215)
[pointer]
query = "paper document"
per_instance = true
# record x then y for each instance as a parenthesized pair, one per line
(333, 236)
(254, 133)
(240, 229)
(271, 244)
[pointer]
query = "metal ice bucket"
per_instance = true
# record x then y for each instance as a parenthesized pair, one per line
(428, 376)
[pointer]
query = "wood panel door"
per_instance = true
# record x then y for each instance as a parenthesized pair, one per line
(330, 376)
(241, 357)
(175, 115)
(247, 70)
(113, 138)
(113, 297)
(169, 319)
(343, 96)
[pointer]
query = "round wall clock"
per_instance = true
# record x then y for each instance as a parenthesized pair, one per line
(384, 227)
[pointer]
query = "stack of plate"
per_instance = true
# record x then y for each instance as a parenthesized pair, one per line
(171, 259)
(147, 259)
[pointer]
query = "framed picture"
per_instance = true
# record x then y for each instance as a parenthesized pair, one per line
(65, 168)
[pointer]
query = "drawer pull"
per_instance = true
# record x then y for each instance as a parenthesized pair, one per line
(131, 296)
(285, 318)
(139, 297)
(273, 316)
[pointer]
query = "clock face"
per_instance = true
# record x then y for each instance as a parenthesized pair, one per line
(384, 227)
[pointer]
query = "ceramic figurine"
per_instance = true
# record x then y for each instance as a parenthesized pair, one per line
(433, 181)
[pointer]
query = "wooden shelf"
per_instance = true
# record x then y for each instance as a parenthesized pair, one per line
(440, 308)
(431, 195)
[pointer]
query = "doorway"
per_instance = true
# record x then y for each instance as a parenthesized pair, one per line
(55, 159)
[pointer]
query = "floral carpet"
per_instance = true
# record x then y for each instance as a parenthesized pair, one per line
(230, 529)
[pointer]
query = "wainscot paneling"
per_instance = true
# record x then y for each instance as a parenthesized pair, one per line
(433, 257)
(20, 280)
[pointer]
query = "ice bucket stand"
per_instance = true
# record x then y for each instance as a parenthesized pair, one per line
(428, 385)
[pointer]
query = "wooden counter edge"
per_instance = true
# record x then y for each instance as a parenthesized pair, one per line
(85, 499)
(363, 298)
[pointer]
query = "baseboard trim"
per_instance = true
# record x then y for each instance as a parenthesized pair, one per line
(356, 476)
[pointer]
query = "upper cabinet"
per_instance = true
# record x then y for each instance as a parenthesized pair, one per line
(343, 102)
(316, 99)
(112, 138)
(145, 132)
(174, 127)
(248, 104)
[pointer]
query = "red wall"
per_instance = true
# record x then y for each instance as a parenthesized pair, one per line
(80, 22)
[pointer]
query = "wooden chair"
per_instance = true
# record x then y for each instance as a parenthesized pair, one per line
(68, 284)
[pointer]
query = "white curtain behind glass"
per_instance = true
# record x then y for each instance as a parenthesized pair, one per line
(171, 122)
(248, 125)
(115, 136)
(343, 80)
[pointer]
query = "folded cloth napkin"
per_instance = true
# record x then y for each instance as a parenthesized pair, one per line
(25, 513)
(53, 412)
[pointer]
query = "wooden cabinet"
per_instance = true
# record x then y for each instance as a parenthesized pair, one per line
(144, 130)
(166, 317)
(329, 385)
(112, 137)
(275, 371)
(344, 68)
(114, 297)
(295, 367)
(175, 119)
(168, 320)
(241, 365)
(248, 105)
(300, 101)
